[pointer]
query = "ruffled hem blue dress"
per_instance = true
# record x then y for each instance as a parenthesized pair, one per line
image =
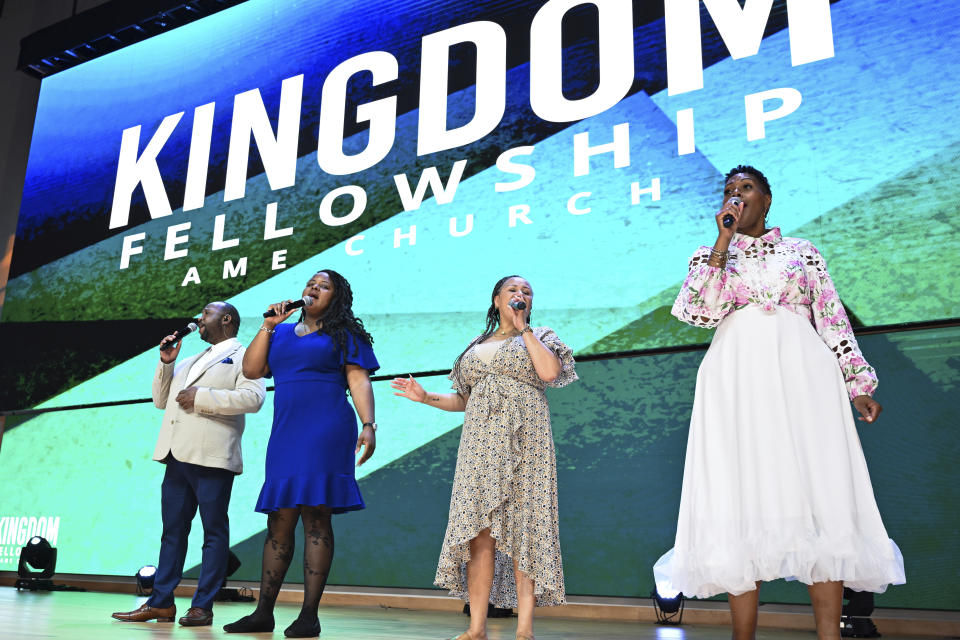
(310, 455)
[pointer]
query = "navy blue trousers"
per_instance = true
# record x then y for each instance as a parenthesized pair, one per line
(187, 487)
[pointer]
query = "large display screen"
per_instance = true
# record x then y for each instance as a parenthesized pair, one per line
(423, 150)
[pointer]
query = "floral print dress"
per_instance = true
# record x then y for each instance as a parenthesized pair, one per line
(506, 473)
(775, 484)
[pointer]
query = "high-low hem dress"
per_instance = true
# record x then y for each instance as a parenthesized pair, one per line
(775, 483)
(506, 474)
(310, 456)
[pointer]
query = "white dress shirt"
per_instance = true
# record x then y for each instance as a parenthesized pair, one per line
(212, 354)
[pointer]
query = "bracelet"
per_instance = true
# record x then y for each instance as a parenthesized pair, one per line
(266, 329)
(719, 256)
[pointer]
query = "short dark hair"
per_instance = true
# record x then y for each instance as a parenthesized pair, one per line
(753, 171)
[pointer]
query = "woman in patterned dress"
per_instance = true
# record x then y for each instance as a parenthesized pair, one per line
(502, 543)
(775, 484)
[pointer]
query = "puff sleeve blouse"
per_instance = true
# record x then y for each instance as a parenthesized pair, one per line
(772, 271)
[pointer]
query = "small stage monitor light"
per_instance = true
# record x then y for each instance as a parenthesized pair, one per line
(668, 605)
(38, 561)
(145, 577)
(855, 619)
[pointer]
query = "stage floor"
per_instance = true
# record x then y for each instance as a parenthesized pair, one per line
(86, 616)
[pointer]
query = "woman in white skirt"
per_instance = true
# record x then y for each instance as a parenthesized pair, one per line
(775, 484)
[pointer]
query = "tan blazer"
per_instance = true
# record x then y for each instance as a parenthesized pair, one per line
(209, 435)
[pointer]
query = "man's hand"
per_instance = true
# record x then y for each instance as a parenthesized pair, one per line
(170, 355)
(186, 398)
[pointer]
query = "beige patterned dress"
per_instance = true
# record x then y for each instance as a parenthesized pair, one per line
(506, 475)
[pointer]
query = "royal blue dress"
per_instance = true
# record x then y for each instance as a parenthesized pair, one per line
(310, 456)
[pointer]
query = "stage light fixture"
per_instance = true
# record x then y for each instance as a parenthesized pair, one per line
(38, 561)
(145, 577)
(105, 28)
(667, 604)
(855, 619)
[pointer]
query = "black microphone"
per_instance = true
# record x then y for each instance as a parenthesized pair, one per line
(728, 219)
(519, 305)
(178, 335)
(305, 301)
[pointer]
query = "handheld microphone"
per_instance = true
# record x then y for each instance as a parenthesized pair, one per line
(305, 301)
(519, 305)
(178, 335)
(728, 219)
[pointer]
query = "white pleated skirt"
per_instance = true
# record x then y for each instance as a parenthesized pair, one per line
(775, 484)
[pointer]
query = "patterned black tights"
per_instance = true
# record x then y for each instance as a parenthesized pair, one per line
(277, 555)
(317, 557)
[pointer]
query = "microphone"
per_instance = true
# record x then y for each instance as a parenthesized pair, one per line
(305, 301)
(519, 305)
(179, 334)
(728, 219)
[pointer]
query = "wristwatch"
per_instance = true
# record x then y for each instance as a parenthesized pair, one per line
(372, 425)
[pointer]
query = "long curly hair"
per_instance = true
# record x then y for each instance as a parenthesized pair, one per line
(492, 322)
(338, 319)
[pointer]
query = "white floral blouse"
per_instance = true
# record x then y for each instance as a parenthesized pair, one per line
(774, 271)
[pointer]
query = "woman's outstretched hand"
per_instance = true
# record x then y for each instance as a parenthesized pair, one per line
(868, 407)
(408, 388)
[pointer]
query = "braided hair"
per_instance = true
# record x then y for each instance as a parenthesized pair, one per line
(492, 322)
(338, 319)
(752, 171)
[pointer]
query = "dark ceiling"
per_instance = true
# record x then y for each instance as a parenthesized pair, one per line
(105, 28)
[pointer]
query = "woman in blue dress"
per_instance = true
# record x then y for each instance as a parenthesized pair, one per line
(310, 456)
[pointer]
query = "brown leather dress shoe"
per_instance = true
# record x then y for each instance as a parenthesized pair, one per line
(146, 612)
(197, 617)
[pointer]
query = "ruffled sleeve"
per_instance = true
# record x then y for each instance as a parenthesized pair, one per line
(460, 387)
(458, 382)
(360, 353)
(708, 294)
(831, 322)
(563, 352)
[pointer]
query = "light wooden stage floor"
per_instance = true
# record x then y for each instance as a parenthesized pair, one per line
(86, 616)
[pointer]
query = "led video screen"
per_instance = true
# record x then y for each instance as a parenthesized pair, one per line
(425, 149)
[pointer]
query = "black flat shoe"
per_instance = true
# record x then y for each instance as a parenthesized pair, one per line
(250, 624)
(303, 629)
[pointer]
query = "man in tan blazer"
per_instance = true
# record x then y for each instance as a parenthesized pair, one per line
(204, 399)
